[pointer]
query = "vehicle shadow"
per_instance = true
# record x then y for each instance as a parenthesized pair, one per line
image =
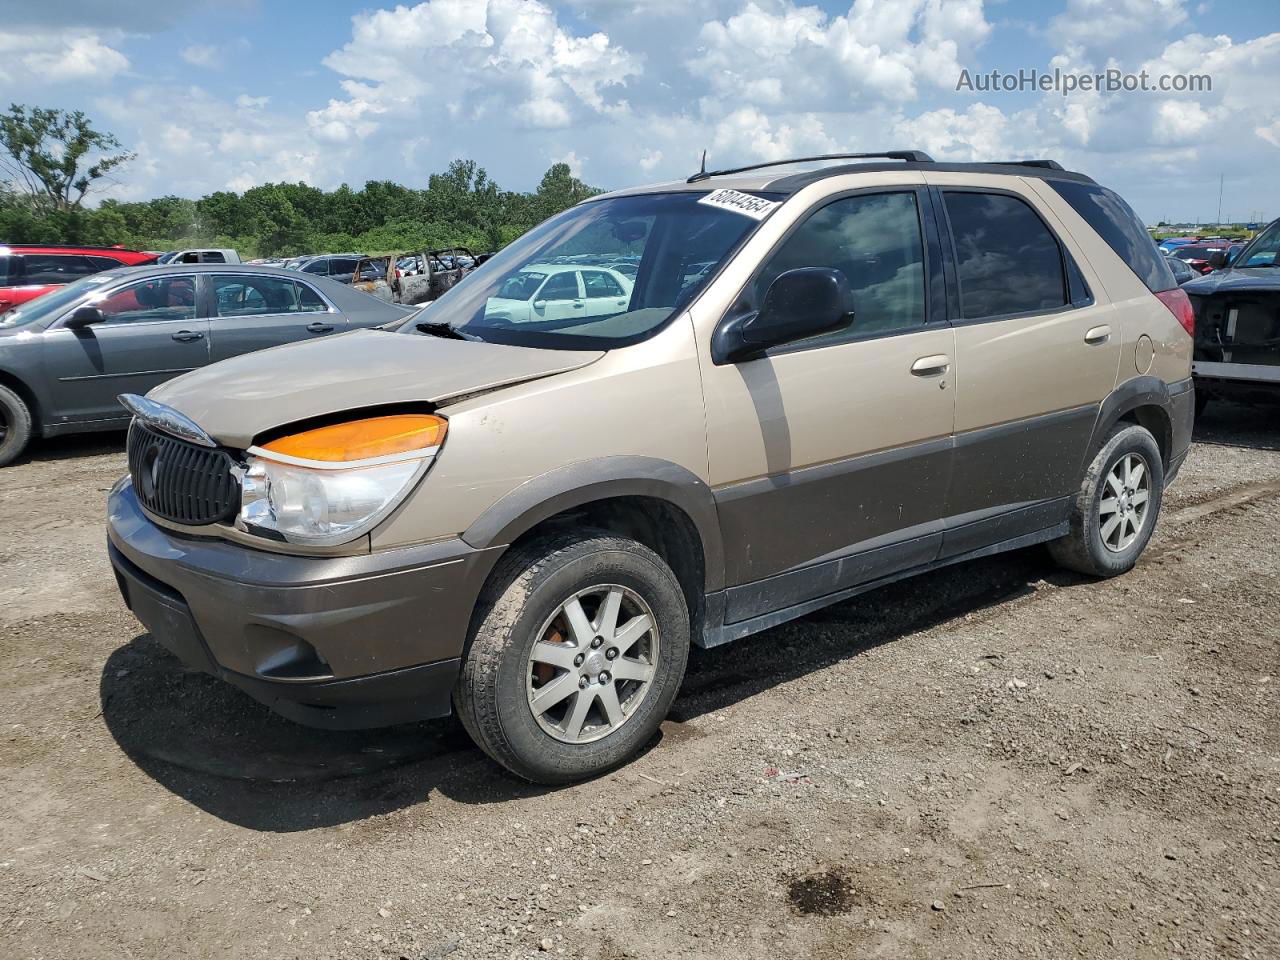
(1239, 425)
(72, 446)
(214, 746)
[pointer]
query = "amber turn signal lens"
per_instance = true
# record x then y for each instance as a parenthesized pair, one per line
(364, 439)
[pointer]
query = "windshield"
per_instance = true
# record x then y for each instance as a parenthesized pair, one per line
(600, 275)
(1262, 252)
(50, 305)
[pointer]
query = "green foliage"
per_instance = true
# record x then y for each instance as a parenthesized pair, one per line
(459, 207)
(54, 157)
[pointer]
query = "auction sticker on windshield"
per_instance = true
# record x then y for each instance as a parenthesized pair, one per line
(739, 202)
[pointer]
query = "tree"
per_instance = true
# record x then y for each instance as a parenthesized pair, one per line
(56, 157)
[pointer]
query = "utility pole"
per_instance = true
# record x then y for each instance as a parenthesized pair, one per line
(1221, 177)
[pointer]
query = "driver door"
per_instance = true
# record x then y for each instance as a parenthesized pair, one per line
(560, 298)
(150, 333)
(830, 458)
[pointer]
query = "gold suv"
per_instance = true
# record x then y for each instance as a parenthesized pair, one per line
(722, 403)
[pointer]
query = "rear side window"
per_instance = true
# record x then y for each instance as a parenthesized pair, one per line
(1007, 261)
(56, 267)
(1116, 223)
(4, 270)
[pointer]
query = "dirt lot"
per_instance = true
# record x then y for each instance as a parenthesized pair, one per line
(997, 760)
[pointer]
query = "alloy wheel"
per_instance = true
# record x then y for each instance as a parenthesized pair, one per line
(1126, 495)
(592, 664)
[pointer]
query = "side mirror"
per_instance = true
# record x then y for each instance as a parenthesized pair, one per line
(1218, 259)
(539, 304)
(83, 317)
(799, 304)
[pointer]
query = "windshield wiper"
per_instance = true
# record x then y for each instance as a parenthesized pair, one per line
(442, 329)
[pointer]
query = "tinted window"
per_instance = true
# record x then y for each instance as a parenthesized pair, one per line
(874, 240)
(236, 296)
(172, 298)
(599, 284)
(1007, 260)
(308, 300)
(342, 266)
(214, 257)
(561, 286)
(317, 266)
(4, 269)
(56, 267)
(1117, 224)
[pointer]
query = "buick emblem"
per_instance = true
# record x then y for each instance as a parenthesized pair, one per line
(149, 474)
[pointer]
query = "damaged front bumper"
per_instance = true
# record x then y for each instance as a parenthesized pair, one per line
(334, 642)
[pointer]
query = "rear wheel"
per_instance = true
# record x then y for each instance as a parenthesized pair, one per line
(15, 426)
(1115, 510)
(579, 653)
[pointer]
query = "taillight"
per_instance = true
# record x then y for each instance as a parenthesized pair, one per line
(1179, 305)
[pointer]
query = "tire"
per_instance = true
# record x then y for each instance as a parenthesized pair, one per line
(1099, 544)
(15, 426)
(529, 599)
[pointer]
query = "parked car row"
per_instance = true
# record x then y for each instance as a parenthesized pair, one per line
(66, 356)
(28, 271)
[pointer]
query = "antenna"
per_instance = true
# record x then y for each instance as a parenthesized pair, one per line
(703, 171)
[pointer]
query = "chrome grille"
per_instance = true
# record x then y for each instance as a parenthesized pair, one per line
(180, 481)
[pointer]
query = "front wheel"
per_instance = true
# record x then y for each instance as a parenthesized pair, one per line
(15, 426)
(579, 653)
(1114, 513)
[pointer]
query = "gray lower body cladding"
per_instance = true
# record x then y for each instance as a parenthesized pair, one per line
(338, 642)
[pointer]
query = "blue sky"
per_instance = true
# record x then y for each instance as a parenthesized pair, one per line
(631, 91)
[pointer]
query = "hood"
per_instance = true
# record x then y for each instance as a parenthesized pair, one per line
(237, 399)
(1234, 281)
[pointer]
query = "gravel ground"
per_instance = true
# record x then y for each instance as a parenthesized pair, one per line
(995, 760)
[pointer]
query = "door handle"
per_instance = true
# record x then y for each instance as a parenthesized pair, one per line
(578, 305)
(186, 336)
(931, 366)
(1100, 334)
(319, 327)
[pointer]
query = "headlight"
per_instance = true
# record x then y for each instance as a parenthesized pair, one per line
(332, 484)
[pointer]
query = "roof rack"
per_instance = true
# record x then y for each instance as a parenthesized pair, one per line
(911, 156)
(1042, 164)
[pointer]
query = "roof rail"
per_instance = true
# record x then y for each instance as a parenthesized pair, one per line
(1042, 164)
(911, 156)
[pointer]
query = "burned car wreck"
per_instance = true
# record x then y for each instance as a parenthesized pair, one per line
(416, 277)
(1237, 340)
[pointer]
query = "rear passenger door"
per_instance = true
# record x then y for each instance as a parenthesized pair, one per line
(604, 294)
(1035, 356)
(249, 312)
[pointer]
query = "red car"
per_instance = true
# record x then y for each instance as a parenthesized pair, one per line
(28, 271)
(1196, 255)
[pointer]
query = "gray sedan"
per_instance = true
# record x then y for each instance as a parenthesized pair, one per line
(66, 356)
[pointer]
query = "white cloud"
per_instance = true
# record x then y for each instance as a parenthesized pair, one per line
(202, 55)
(1101, 29)
(190, 142)
(64, 56)
(799, 55)
(463, 59)
(248, 102)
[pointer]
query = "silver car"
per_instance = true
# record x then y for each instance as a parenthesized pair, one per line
(65, 356)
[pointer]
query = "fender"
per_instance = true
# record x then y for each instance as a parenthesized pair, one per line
(1128, 396)
(585, 481)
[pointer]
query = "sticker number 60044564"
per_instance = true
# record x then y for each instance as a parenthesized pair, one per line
(739, 202)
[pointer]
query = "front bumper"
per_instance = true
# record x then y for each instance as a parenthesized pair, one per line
(335, 642)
